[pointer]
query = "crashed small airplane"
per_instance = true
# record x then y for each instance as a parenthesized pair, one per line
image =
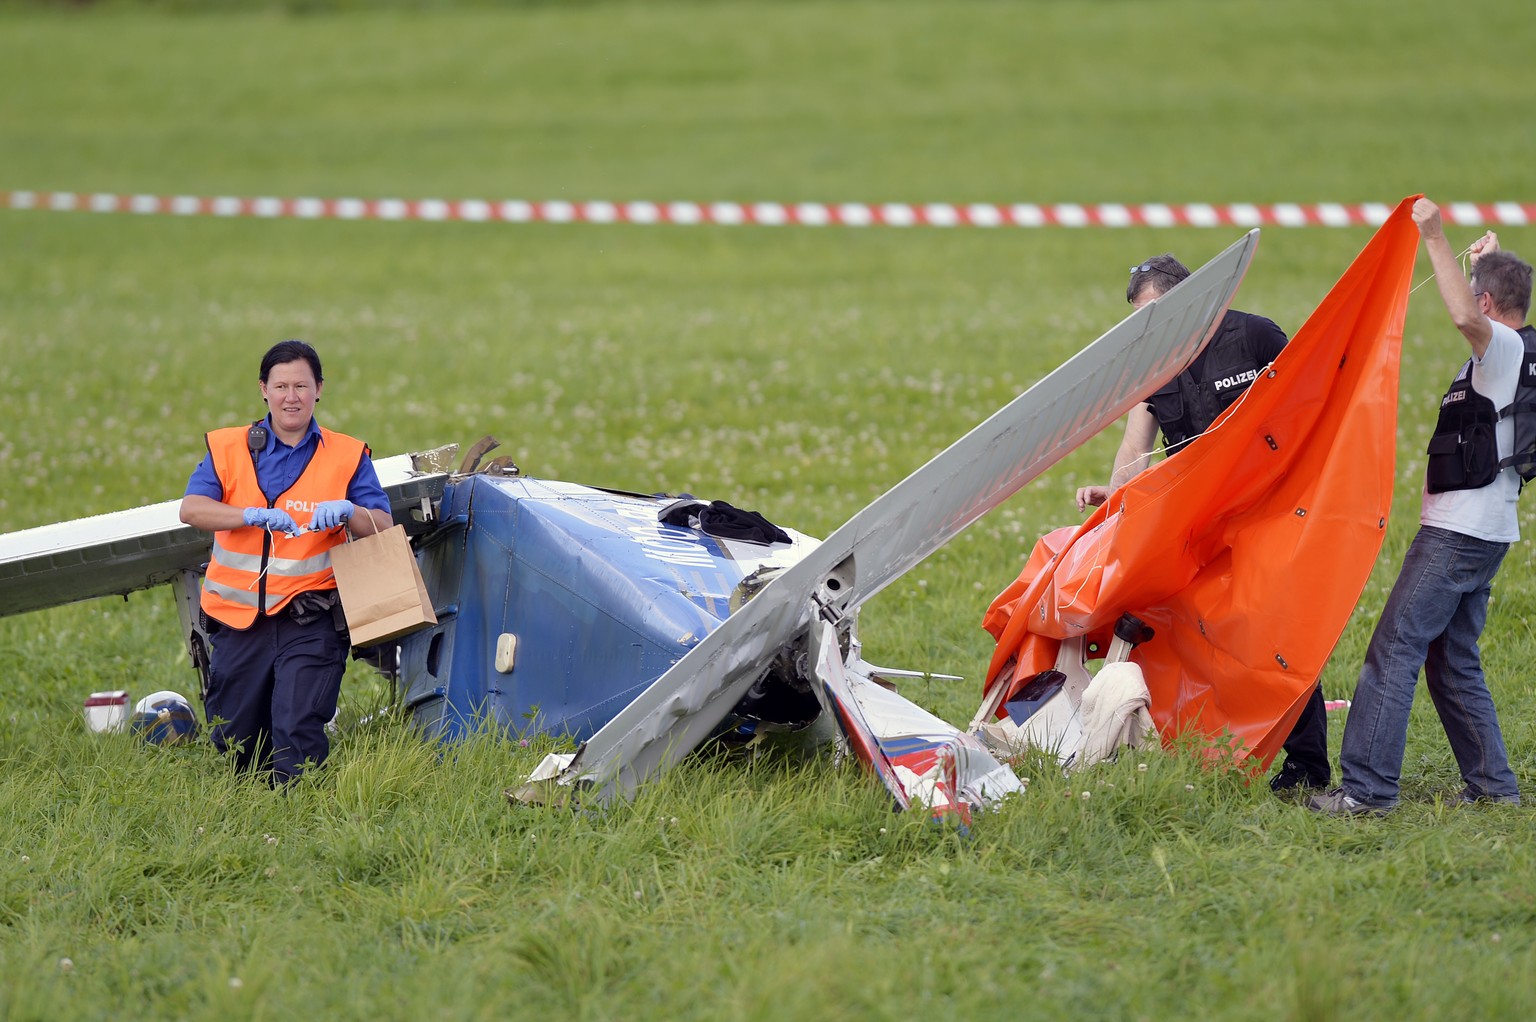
(620, 619)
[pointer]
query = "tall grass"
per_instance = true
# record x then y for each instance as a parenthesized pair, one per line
(797, 371)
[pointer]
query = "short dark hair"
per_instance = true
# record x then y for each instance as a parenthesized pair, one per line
(1159, 273)
(284, 352)
(1507, 279)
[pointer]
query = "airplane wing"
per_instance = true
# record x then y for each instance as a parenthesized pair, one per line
(125, 551)
(916, 517)
(105, 555)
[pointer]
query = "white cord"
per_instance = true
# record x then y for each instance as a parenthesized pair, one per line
(263, 573)
(1461, 258)
(1097, 566)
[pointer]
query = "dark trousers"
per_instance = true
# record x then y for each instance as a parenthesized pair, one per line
(1306, 750)
(272, 690)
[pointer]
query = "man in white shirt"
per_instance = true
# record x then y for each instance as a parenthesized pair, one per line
(1438, 606)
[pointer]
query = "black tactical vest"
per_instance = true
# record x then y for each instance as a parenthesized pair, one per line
(1464, 450)
(1186, 407)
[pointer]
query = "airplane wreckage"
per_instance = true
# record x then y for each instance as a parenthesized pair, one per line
(621, 619)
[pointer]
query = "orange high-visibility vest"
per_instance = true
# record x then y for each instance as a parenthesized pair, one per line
(254, 571)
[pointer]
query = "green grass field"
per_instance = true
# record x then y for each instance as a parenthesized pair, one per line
(801, 372)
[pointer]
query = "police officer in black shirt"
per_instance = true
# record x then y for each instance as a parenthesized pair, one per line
(1185, 408)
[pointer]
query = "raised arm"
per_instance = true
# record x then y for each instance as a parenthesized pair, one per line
(1455, 291)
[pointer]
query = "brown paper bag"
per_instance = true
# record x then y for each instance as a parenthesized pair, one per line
(380, 587)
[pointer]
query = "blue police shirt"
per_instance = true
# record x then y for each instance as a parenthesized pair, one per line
(280, 465)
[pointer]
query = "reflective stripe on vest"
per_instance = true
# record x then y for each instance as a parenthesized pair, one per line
(255, 572)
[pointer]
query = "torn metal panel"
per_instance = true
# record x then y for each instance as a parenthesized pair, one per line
(601, 596)
(921, 759)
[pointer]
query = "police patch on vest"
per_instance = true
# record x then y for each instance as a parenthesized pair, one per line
(1240, 380)
(1464, 450)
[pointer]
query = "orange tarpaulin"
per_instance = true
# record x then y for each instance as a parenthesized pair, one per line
(1248, 550)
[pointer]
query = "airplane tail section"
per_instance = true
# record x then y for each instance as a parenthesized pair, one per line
(921, 759)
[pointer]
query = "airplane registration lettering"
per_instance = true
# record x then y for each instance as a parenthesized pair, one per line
(671, 546)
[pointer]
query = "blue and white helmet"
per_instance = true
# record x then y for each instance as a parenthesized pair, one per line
(164, 718)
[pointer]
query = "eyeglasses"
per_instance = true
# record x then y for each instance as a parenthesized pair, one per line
(1143, 268)
(1478, 294)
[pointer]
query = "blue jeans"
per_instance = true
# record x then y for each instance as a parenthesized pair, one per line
(1432, 620)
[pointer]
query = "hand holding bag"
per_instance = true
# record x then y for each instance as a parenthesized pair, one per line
(382, 592)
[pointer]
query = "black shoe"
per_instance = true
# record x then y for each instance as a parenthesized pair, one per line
(1293, 780)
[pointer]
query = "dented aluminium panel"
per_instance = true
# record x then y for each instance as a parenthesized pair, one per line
(599, 599)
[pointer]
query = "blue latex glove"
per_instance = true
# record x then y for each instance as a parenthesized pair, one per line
(331, 513)
(272, 519)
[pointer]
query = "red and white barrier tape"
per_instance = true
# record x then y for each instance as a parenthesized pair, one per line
(775, 214)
